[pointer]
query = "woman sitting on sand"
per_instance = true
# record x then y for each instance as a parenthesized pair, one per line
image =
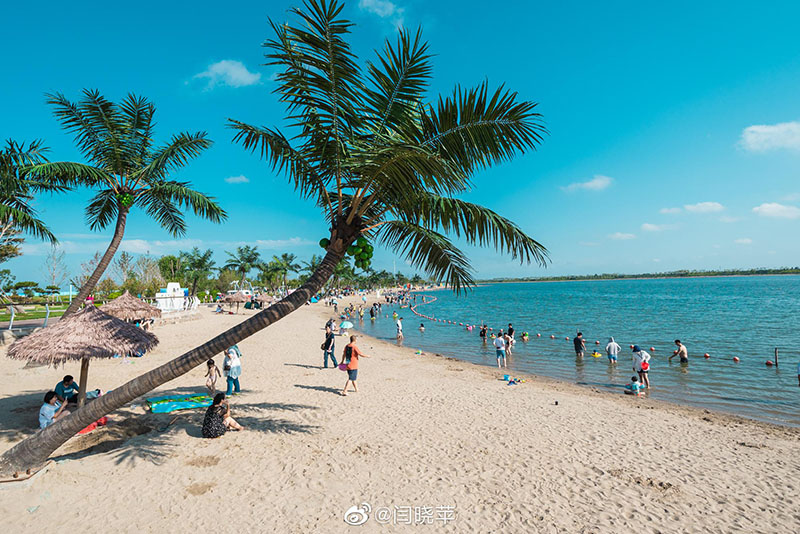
(218, 418)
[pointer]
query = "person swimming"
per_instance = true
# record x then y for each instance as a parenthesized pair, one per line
(421, 327)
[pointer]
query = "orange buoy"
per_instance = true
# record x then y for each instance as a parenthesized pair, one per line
(652, 349)
(552, 337)
(769, 363)
(706, 355)
(736, 358)
(596, 342)
(631, 346)
(538, 335)
(566, 337)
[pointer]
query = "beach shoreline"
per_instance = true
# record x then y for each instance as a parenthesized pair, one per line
(423, 432)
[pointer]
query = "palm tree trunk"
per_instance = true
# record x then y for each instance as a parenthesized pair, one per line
(105, 261)
(34, 451)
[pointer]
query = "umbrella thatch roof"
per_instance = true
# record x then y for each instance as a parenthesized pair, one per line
(128, 308)
(236, 297)
(88, 333)
(263, 297)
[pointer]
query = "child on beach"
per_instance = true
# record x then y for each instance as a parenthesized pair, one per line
(634, 388)
(211, 377)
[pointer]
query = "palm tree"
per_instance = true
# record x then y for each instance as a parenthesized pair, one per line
(243, 260)
(198, 265)
(377, 160)
(17, 187)
(125, 169)
(312, 265)
(288, 264)
(270, 273)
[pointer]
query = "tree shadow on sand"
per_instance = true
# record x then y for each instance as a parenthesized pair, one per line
(131, 436)
(19, 415)
(326, 389)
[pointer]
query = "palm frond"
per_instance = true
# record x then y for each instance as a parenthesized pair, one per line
(476, 224)
(174, 155)
(138, 120)
(179, 195)
(67, 174)
(23, 217)
(399, 82)
(276, 149)
(158, 205)
(102, 209)
(475, 129)
(428, 250)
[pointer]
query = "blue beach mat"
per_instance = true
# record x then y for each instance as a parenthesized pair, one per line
(171, 403)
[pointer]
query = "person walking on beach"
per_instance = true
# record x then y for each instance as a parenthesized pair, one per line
(580, 345)
(612, 349)
(500, 350)
(399, 329)
(681, 352)
(328, 347)
(641, 365)
(211, 377)
(350, 357)
(232, 367)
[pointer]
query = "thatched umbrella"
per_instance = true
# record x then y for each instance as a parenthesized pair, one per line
(129, 308)
(88, 333)
(265, 299)
(237, 298)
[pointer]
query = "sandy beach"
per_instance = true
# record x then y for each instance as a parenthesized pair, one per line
(435, 443)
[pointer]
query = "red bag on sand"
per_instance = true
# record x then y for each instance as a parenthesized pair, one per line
(88, 429)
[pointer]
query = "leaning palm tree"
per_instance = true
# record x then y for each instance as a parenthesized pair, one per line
(17, 187)
(379, 162)
(243, 260)
(125, 169)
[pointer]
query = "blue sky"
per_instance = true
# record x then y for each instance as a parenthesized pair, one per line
(674, 128)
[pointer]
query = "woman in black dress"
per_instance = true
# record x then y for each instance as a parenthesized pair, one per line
(218, 418)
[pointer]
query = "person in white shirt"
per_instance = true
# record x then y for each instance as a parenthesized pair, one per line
(641, 365)
(612, 349)
(399, 329)
(500, 349)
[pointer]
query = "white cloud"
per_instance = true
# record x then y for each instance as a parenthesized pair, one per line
(704, 207)
(669, 211)
(621, 236)
(241, 179)
(384, 9)
(647, 227)
(744, 241)
(765, 137)
(598, 183)
(229, 72)
(780, 211)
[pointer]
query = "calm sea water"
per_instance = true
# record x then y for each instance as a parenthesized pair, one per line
(746, 317)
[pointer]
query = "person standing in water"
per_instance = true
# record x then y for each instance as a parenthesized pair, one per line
(680, 352)
(612, 349)
(580, 345)
(500, 349)
(483, 333)
(641, 365)
(399, 329)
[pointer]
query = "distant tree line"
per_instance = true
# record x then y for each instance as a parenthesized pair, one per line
(668, 274)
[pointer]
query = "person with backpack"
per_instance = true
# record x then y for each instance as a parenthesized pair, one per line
(350, 361)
